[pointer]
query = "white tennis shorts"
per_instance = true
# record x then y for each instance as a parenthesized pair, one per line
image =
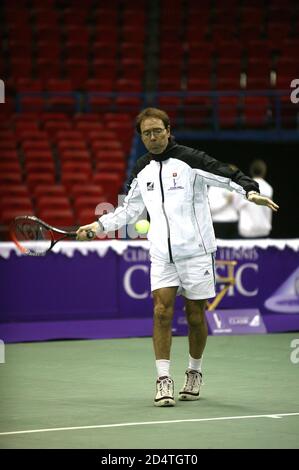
(195, 277)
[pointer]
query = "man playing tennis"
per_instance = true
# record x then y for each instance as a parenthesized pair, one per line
(171, 182)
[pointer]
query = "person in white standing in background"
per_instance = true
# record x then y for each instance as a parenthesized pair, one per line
(223, 211)
(255, 221)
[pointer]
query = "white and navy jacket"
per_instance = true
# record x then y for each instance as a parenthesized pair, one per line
(173, 188)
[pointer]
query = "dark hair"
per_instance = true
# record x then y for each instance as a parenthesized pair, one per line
(258, 168)
(152, 113)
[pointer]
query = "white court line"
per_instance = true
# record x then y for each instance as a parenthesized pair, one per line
(145, 423)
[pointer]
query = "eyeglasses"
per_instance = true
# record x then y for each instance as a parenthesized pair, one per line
(157, 131)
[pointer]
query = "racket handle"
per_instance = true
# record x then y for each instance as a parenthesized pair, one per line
(90, 234)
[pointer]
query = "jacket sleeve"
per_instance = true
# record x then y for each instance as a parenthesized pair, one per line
(221, 174)
(128, 213)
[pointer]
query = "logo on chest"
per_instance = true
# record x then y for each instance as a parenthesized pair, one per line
(150, 186)
(175, 185)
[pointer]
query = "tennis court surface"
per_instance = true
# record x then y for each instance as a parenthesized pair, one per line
(99, 394)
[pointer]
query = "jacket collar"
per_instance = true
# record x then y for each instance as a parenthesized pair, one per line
(167, 152)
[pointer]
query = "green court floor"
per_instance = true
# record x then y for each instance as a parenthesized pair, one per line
(71, 393)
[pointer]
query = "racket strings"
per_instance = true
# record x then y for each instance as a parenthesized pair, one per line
(32, 237)
(31, 232)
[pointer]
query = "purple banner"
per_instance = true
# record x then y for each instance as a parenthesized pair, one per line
(59, 296)
(226, 322)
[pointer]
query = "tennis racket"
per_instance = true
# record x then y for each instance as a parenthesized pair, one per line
(34, 237)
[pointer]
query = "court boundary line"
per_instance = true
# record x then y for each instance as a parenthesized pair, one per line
(148, 423)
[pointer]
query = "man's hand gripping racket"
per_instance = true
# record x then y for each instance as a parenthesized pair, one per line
(84, 231)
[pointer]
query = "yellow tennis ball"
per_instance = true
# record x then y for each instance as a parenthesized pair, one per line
(142, 226)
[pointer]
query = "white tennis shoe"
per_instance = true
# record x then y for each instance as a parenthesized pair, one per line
(165, 392)
(191, 388)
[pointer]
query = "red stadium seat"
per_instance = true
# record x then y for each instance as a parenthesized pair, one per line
(102, 69)
(46, 32)
(49, 51)
(22, 204)
(58, 85)
(16, 190)
(110, 155)
(256, 111)
(10, 165)
(53, 202)
(36, 145)
(32, 103)
(45, 65)
(87, 190)
(77, 33)
(6, 135)
(8, 144)
(113, 167)
(43, 190)
(38, 155)
(25, 117)
(289, 114)
(199, 84)
(111, 182)
(228, 111)
(98, 85)
(133, 33)
(100, 104)
(132, 50)
(10, 177)
(76, 51)
(9, 155)
(197, 111)
(50, 116)
(40, 167)
(128, 85)
(26, 125)
(73, 167)
(9, 214)
(258, 83)
(228, 83)
(69, 135)
(26, 84)
(79, 19)
(70, 179)
(71, 144)
(130, 104)
(78, 70)
(74, 155)
(59, 218)
(87, 128)
(86, 216)
(31, 134)
(21, 67)
(87, 202)
(35, 179)
(103, 135)
(106, 33)
(100, 144)
(52, 127)
(89, 117)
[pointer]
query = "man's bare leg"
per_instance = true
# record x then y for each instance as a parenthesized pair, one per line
(164, 300)
(198, 332)
(198, 328)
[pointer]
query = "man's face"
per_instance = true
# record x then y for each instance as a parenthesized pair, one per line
(154, 135)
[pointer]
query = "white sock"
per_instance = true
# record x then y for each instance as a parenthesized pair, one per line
(195, 364)
(162, 366)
